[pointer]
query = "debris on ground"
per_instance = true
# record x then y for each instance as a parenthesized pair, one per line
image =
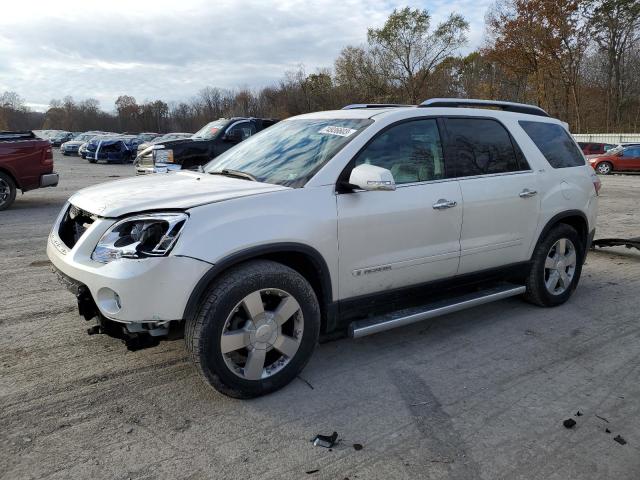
(569, 423)
(578, 413)
(326, 441)
(617, 242)
(309, 472)
(620, 440)
(357, 446)
(420, 403)
(602, 418)
(607, 430)
(305, 381)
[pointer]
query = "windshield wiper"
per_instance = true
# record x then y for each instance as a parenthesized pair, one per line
(235, 173)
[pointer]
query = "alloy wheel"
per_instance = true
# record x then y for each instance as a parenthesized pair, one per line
(560, 266)
(5, 191)
(262, 334)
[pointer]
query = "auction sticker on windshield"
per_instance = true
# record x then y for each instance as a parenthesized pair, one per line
(341, 131)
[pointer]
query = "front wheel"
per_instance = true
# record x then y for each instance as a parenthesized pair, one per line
(255, 330)
(604, 168)
(556, 267)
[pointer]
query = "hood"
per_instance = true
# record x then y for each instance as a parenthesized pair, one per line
(74, 142)
(179, 141)
(179, 190)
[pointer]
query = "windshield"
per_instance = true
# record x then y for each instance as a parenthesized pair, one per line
(210, 130)
(83, 138)
(290, 152)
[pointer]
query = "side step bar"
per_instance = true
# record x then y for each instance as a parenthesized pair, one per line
(400, 318)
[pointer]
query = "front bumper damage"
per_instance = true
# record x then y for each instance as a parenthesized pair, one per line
(132, 299)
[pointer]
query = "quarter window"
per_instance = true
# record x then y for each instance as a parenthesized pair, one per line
(481, 146)
(411, 151)
(554, 143)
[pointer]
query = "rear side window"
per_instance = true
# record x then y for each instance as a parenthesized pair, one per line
(554, 143)
(480, 146)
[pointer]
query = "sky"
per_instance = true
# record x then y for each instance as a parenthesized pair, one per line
(171, 49)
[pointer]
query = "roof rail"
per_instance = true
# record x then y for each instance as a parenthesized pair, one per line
(354, 106)
(471, 102)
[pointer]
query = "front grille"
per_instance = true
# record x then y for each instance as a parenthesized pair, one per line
(74, 223)
(145, 161)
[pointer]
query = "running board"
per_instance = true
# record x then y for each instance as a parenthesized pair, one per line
(400, 318)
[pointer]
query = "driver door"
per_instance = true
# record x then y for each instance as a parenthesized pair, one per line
(394, 239)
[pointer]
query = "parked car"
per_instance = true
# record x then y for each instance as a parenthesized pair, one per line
(338, 221)
(72, 146)
(26, 163)
(626, 159)
(209, 142)
(147, 136)
(112, 149)
(591, 148)
(82, 150)
(61, 137)
(163, 138)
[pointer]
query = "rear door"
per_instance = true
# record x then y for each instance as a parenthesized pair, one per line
(630, 159)
(499, 193)
(393, 239)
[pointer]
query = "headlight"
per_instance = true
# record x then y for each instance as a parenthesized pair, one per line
(163, 156)
(141, 236)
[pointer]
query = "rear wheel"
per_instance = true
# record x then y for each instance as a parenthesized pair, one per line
(255, 330)
(7, 191)
(556, 267)
(604, 168)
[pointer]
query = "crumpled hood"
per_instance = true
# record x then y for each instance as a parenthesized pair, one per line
(180, 190)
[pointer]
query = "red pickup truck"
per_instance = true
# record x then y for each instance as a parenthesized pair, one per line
(26, 163)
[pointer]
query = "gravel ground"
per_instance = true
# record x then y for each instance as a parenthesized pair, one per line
(477, 394)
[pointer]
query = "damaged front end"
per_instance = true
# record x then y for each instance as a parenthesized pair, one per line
(135, 335)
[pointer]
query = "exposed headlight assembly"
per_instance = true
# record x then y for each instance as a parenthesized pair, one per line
(140, 236)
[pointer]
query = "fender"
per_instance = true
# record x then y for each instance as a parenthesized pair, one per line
(566, 214)
(262, 251)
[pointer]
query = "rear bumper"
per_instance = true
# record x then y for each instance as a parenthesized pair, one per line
(49, 180)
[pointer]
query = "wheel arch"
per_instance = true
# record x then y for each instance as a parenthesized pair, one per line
(573, 218)
(13, 177)
(302, 258)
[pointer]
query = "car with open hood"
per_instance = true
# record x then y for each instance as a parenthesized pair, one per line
(345, 222)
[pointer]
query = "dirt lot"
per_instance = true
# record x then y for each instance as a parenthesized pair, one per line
(478, 394)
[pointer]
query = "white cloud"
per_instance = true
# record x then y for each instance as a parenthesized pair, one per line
(169, 50)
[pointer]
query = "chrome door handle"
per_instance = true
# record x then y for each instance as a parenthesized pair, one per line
(526, 193)
(443, 204)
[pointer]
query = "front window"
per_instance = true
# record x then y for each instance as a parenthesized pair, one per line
(210, 130)
(290, 152)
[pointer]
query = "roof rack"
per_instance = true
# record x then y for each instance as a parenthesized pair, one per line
(471, 102)
(354, 106)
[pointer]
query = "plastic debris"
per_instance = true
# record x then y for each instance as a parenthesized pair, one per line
(569, 423)
(357, 446)
(620, 440)
(326, 441)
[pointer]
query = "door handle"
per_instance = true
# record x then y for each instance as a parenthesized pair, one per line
(526, 193)
(443, 204)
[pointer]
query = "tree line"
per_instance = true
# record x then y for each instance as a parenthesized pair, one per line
(577, 59)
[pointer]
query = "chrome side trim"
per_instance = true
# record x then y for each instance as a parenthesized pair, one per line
(362, 328)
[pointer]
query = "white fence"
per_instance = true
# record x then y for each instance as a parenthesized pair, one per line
(607, 137)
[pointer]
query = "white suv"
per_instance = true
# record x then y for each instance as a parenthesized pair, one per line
(357, 220)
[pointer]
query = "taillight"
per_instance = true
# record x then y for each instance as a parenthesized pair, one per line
(48, 156)
(597, 184)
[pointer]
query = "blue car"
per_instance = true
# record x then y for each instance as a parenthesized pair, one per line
(112, 149)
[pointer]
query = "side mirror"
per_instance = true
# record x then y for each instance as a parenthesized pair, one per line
(372, 178)
(234, 136)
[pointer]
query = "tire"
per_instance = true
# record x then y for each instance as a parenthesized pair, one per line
(7, 191)
(254, 363)
(604, 168)
(93, 161)
(548, 257)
